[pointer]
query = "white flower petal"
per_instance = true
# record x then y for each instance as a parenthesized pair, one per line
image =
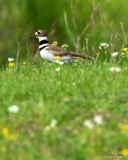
(116, 69)
(88, 124)
(59, 62)
(111, 69)
(114, 54)
(13, 109)
(104, 45)
(57, 69)
(98, 119)
(53, 123)
(47, 128)
(10, 59)
(122, 54)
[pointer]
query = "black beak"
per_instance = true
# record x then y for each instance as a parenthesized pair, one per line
(33, 36)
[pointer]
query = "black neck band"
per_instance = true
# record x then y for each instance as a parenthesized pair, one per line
(42, 48)
(43, 42)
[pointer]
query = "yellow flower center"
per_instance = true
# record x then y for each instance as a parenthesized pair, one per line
(5, 131)
(124, 151)
(13, 137)
(123, 126)
(57, 58)
(11, 64)
(125, 49)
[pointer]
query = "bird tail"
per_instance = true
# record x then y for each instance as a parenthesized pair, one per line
(85, 57)
(78, 55)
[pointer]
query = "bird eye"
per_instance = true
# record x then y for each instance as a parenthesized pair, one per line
(39, 32)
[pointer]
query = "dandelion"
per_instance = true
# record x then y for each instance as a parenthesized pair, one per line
(88, 124)
(114, 69)
(11, 64)
(13, 109)
(10, 59)
(124, 151)
(57, 69)
(13, 137)
(125, 49)
(123, 126)
(98, 119)
(114, 54)
(57, 58)
(24, 63)
(5, 131)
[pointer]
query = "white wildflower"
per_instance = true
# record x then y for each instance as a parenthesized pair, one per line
(98, 119)
(10, 59)
(13, 109)
(104, 45)
(53, 123)
(57, 69)
(111, 69)
(122, 54)
(116, 69)
(100, 47)
(88, 124)
(59, 62)
(114, 54)
(47, 128)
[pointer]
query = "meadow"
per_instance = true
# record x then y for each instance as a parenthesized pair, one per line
(52, 111)
(69, 111)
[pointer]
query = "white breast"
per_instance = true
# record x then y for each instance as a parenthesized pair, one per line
(46, 55)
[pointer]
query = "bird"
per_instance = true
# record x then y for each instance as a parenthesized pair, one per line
(51, 53)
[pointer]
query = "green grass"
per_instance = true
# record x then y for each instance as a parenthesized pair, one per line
(72, 95)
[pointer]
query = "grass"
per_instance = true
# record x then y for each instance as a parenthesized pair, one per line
(76, 93)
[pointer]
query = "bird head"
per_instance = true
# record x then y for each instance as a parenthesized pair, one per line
(39, 33)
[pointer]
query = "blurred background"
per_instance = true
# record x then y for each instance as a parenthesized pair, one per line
(63, 21)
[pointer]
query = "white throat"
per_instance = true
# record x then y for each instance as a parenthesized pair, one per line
(42, 38)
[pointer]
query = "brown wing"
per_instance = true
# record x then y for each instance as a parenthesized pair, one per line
(57, 51)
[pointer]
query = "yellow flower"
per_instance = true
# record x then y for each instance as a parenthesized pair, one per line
(5, 131)
(125, 49)
(123, 126)
(24, 63)
(124, 151)
(13, 137)
(57, 58)
(11, 64)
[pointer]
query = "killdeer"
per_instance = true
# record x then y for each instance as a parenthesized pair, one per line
(48, 52)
